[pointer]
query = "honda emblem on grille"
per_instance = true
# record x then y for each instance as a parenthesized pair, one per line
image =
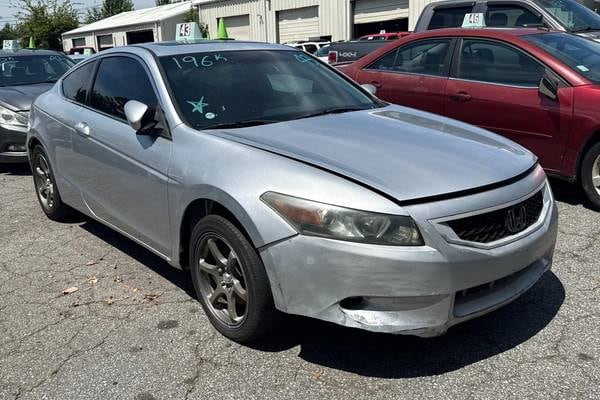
(516, 219)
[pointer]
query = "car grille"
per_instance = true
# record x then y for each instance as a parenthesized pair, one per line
(498, 224)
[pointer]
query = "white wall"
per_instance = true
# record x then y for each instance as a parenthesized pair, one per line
(333, 16)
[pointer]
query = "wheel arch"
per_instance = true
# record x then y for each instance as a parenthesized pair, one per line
(588, 144)
(207, 204)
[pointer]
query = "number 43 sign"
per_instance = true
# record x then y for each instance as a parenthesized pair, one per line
(474, 20)
(188, 31)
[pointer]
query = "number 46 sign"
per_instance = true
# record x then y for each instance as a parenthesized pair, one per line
(474, 20)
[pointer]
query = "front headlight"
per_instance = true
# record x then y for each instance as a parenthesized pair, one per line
(9, 117)
(324, 220)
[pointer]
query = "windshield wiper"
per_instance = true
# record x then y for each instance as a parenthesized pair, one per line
(585, 29)
(333, 110)
(241, 124)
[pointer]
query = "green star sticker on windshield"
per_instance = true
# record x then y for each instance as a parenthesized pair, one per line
(198, 105)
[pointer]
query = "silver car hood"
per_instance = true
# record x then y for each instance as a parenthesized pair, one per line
(404, 153)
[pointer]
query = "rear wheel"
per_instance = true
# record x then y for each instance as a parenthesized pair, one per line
(45, 186)
(230, 280)
(590, 175)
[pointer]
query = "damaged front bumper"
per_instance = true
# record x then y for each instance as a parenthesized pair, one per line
(413, 290)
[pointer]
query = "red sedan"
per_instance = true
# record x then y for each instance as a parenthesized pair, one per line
(539, 88)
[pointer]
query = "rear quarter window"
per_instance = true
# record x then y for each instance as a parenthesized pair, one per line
(75, 86)
(448, 17)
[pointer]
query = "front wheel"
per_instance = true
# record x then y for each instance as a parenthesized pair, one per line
(590, 175)
(45, 186)
(230, 280)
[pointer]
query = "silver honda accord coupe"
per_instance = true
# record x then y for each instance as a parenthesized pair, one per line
(284, 186)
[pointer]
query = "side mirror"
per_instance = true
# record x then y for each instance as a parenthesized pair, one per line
(137, 115)
(369, 88)
(549, 87)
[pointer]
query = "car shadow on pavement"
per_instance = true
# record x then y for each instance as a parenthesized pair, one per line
(384, 355)
(390, 356)
(182, 279)
(569, 193)
(21, 169)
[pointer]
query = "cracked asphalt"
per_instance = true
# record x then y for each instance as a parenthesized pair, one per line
(133, 329)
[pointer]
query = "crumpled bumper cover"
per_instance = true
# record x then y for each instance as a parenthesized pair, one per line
(405, 290)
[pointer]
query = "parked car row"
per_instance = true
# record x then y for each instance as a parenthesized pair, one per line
(285, 185)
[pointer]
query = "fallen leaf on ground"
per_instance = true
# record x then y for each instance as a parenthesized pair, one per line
(70, 290)
(150, 296)
(90, 263)
(92, 280)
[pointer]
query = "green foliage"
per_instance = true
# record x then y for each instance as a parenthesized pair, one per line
(114, 7)
(45, 22)
(93, 14)
(192, 16)
(162, 2)
(8, 33)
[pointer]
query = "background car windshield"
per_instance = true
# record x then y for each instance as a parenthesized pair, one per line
(236, 86)
(571, 14)
(580, 54)
(31, 69)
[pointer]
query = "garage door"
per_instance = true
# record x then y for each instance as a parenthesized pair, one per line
(367, 11)
(238, 27)
(297, 24)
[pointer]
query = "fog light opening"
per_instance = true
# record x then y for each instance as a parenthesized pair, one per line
(16, 147)
(353, 303)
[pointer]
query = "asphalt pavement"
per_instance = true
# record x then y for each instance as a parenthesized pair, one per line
(129, 327)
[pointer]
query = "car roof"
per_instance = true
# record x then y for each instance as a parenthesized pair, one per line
(22, 52)
(500, 33)
(471, 2)
(201, 46)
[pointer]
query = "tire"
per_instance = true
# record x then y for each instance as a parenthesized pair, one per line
(590, 175)
(224, 266)
(45, 186)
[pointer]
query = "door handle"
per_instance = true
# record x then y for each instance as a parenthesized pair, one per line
(461, 96)
(82, 128)
(376, 84)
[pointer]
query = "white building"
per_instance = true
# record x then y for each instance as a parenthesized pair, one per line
(146, 25)
(288, 20)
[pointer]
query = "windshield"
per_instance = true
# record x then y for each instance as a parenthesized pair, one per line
(323, 51)
(31, 69)
(572, 15)
(224, 88)
(580, 54)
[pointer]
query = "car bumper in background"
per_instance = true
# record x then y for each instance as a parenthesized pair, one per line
(12, 144)
(412, 290)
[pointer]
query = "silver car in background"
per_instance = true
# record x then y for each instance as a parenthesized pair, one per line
(284, 186)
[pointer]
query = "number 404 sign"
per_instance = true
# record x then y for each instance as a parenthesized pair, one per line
(188, 31)
(474, 20)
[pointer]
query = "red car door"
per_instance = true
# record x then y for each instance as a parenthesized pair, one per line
(495, 86)
(413, 75)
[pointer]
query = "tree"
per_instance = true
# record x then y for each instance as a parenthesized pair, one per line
(192, 16)
(7, 33)
(93, 14)
(114, 7)
(45, 21)
(162, 2)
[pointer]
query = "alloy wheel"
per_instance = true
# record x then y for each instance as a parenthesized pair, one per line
(222, 280)
(596, 174)
(44, 183)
